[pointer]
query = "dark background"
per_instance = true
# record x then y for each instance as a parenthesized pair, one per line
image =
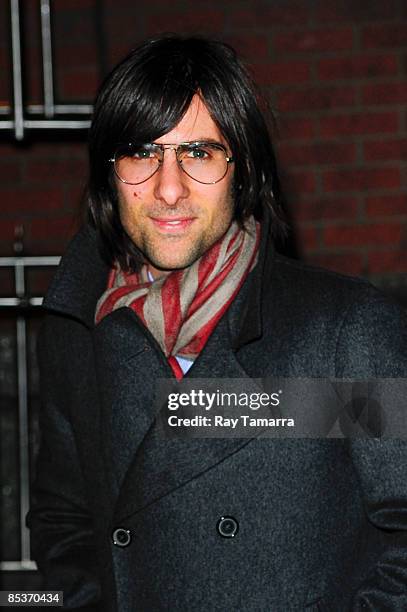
(335, 73)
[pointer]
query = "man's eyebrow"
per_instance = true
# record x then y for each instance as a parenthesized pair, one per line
(202, 139)
(208, 140)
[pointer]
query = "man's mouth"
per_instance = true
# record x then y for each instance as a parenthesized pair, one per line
(172, 226)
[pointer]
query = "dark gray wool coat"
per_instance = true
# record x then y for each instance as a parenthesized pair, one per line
(322, 522)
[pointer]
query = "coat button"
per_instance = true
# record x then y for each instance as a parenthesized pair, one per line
(121, 537)
(227, 526)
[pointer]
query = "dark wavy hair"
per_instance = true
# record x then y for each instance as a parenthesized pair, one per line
(146, 95)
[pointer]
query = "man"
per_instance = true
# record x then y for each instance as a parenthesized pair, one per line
(175, 276)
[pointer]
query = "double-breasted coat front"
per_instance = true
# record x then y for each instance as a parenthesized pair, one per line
(122, 520)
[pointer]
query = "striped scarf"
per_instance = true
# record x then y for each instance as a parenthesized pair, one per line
(182, 308)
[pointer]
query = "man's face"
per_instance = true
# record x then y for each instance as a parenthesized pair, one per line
(171, 218)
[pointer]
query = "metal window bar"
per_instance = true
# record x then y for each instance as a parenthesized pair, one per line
(21, 302)
(21, 120)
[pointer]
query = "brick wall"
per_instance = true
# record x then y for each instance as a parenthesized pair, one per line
(335, 72)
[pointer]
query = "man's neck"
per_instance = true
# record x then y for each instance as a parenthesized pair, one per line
(155, 272)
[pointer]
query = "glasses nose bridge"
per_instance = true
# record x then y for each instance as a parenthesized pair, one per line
(171, 147)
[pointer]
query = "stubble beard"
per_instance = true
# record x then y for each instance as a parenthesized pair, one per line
(189, 255)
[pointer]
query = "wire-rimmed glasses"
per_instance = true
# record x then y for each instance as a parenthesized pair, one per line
(204, 161)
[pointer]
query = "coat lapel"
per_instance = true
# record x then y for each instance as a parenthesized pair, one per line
(161, 465)
(128, 364)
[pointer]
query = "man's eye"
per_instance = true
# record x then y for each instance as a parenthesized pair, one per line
(198, 153)
(142, 154)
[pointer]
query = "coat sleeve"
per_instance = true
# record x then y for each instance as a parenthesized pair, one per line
(373, 343)
(62, 531)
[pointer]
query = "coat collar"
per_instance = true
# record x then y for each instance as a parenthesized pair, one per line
(81, 279)
(245, 314)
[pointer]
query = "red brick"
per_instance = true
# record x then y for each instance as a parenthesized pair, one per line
(253, 47)
(308, 238)
(386, 205)
(387, 261)
(317, 153)
(359, 123)
(38, 280)
(74, 197)
(362, 235)
(79, 84)
(31, 200)
(385, 93)
(363, 66)
(7, 231)
(361, 179)
(31, 21)
(34, 92)
(123, 12)
(10, 171)
(7, 285)
(10, 151)
(326, 208)
(344, 263)
(5, 61)
(351, 11)
(53, 246)
(72, 25)
(296, 128)
(58, 149)
(187, 20)
(281, 73)
(322, 40)
(56, 170)
(73, 5)
(76, 54)
(52, 229)
(298, 182)
(34, 86)
(385, 35)
(315, 98)
(293, 12)
(117, 52)
(391, 149)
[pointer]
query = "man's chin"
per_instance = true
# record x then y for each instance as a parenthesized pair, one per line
(161, 268)
(166, 265)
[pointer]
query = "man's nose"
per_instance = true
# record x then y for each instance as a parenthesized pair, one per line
(171, 183)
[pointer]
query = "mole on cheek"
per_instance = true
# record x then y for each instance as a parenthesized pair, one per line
(135, 194)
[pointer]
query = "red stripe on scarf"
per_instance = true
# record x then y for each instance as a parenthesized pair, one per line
(171, 308)
(201, 337)
(110, 302)
(138, 307)
(208, 262)
(204, 293)
(111, 278)
(176, 368)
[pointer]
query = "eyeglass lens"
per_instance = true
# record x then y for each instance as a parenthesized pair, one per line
(203, 162)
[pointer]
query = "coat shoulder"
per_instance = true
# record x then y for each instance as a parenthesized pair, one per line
(366, 326)
(317, 279)
(309, 286)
